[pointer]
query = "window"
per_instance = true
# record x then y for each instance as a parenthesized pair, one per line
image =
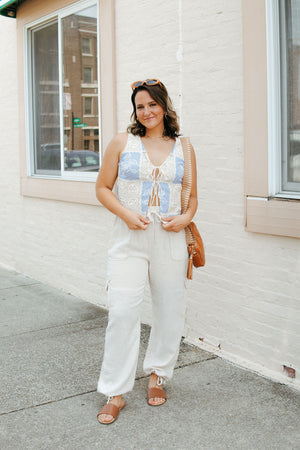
(86, 144)
(290, 93)
(56, 127)
(268, 205)
(87, 75)
(88, 105)
(60, 177)
(283, 43)
(86, 46)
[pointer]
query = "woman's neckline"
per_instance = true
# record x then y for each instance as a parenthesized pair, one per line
(165, 160)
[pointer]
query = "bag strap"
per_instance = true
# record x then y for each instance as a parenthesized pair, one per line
(186, 184)
(187, 175)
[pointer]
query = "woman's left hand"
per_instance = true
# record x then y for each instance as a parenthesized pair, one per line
(175, 223)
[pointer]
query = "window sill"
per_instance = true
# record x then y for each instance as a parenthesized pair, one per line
(89, 85)
(273, 216)
(61, 190)
(288, 196)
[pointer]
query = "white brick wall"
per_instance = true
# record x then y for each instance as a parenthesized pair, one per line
(62, 244)
(244, 305)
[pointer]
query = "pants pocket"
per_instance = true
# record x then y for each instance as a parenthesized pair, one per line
(120, 242)
(178, 247)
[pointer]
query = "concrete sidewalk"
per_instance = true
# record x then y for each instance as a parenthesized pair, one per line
(51, 350)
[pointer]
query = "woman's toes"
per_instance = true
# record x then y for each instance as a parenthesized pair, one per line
(105, 418)
(157, 401)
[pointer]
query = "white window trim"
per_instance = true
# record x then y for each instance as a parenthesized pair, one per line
(46, 20)
(274, 101)
(275, 104)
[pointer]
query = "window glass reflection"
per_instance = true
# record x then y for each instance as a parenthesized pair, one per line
(45, 88)
(80, 87)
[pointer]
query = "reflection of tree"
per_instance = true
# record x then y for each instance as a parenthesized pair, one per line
(46, 95)
(294, 87)
(293, 7)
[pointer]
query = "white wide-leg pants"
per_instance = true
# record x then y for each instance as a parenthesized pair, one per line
(134, 256)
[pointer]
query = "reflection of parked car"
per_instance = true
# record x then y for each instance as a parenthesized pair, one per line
(295, 168)
(49, 157)
(294, 160)
(82, 160)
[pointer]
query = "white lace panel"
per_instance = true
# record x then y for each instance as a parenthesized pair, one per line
(141, 184)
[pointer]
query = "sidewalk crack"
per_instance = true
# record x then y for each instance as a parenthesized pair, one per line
(209, 358)
(95, 390)
(48, 328)
(20, 285)
(47, 403)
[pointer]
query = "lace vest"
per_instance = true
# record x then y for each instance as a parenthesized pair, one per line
(139, 180)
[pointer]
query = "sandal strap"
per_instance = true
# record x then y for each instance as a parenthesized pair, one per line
(155, 392)
(110, 409)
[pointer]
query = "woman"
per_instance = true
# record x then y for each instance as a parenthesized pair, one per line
(148, 241)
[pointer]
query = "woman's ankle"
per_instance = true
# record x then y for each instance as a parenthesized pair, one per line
(116, 399)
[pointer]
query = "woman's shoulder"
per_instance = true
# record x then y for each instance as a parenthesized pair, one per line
(123, 143)
(118, 143)
(120, 139)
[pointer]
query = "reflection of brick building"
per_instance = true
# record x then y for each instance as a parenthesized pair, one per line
(80, 83)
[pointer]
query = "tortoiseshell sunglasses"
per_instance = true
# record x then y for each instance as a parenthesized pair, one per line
(149, 82)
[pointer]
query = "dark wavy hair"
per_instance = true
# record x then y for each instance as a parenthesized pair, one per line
(161, 96)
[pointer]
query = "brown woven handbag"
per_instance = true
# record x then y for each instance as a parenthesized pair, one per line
(193, 238)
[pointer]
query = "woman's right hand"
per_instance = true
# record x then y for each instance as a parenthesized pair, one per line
(106, 180)
(135, 221)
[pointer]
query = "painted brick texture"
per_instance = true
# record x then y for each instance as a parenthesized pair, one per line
(244, 304)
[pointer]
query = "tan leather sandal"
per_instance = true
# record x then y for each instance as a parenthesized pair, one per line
(112, 410)
(156, 392)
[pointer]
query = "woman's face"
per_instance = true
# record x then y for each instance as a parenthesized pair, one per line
(149, 113)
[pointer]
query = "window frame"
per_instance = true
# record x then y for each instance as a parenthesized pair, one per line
(264, 212)
(277, 104)
(274, 98)
(56, 16)
(69, 189)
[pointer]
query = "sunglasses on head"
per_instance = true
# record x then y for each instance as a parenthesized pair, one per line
(149, 82)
